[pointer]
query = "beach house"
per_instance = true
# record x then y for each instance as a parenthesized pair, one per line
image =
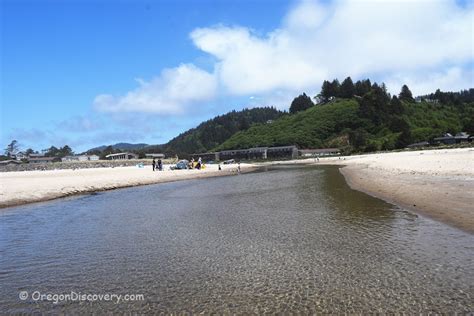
(122, 156)
(250, 153)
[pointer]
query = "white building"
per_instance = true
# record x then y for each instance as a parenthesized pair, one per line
(80, 158)
(122, 156)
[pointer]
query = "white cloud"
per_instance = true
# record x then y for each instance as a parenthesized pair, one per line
(348, 37)
(170, 93)
(427, 44)
(451, 79)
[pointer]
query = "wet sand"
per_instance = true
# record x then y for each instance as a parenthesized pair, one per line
(436, 183)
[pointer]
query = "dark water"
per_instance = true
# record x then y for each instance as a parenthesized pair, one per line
(290, 239)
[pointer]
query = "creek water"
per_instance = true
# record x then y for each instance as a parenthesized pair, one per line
(287, 239)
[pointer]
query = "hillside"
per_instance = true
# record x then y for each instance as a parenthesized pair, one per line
(307, 129)
(369, 123)
(119, 146)
(213, 132)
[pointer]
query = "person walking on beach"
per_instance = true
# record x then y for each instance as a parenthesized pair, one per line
(153, 163)
(238, 168)
(199, 164)
(160, 165)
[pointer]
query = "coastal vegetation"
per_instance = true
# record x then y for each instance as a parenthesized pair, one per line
(212, 133)
(355, 117)
(363, 117)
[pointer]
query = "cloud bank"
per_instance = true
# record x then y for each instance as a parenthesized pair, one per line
(426, 44)
(167, 94)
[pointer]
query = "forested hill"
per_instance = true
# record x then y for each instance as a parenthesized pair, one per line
(214, 132)
(362, 117)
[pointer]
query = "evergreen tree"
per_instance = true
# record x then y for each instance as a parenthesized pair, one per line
(12, 148)
(326, 91)
(52, 152)
(65, 151)
(347, 89)
(396, 106)
(362, 87)
(301, 103)
(335, 88)
(405, 94)
(29, 151)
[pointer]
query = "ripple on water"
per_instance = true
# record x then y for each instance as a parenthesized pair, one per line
(287, 240)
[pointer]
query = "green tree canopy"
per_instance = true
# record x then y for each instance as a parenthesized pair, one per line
(405, 94)
(347, 89)
(301, 103)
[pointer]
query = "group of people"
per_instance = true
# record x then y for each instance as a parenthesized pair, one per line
(196, 165)
(157, 165)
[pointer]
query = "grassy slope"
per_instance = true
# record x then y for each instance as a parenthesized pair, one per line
(308, 129)
(329, 125)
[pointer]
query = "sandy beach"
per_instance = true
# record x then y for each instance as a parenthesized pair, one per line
(34, 186)
(436, 183)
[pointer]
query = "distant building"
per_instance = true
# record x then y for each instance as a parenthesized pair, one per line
(250, 153)
(9, 162)
(35, 156)
(155, 156)
(80, 158)
(319, 152)
(447, 139)
(20, 155)
(70, 158)
(462, 137)
(122, 156)
(42, 159)
(282, 152)
(421, 99)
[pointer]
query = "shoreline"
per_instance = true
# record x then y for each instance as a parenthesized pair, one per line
(438, 184)
(445, 204)
(65, 182)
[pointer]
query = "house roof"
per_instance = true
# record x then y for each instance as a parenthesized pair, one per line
(120, 154)
(6, 162)
(462, 135)
(282, 147)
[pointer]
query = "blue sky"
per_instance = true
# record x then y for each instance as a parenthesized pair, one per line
(88, 73)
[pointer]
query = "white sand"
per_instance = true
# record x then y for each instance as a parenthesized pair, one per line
(33, 186)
